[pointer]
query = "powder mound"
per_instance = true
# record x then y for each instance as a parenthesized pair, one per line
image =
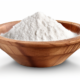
(38, 27)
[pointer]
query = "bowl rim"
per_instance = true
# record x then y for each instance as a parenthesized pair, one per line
(64, 42)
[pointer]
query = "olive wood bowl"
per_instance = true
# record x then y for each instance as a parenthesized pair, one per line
(40, 54)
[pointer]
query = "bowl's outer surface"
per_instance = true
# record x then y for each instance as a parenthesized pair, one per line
(41, 54)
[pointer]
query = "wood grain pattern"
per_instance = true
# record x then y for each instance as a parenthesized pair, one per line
(40, 54)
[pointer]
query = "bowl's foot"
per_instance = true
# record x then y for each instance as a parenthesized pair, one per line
(46, 61)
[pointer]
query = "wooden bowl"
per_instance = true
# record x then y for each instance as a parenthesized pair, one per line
(40, 54)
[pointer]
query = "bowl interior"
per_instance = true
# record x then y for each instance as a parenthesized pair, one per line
(74, 27)
(7, 26)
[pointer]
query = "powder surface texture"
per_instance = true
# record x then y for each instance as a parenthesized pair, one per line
(38, 27)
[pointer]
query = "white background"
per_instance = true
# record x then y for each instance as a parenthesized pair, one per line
(11, 10)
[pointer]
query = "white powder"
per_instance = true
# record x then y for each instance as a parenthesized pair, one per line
(38, 27)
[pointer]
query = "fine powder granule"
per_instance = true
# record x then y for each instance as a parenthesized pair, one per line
(38, 27)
